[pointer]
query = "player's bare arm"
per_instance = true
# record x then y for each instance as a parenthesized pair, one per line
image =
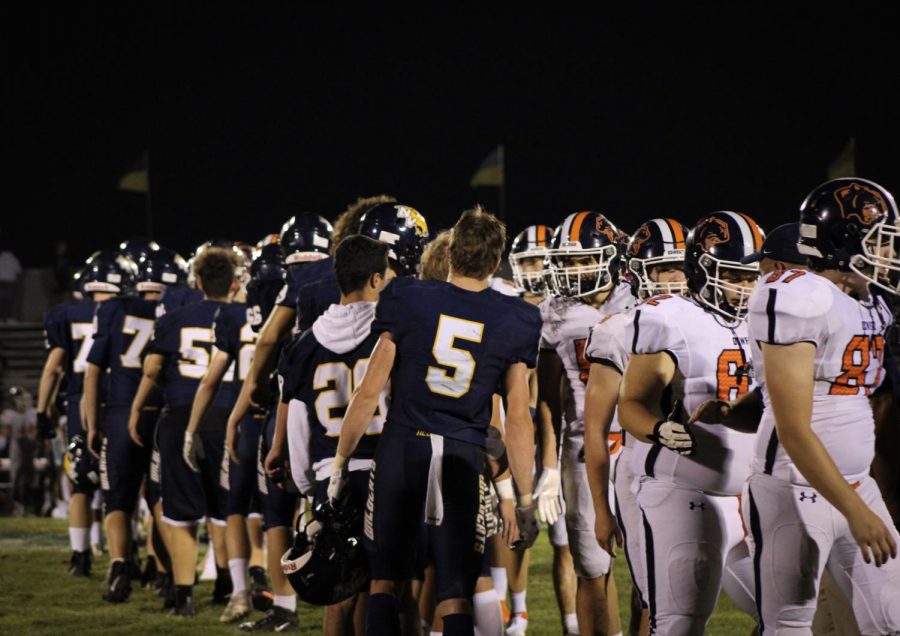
(153, 365)
(645, 379)
(277, 326)
(209, 384)
(550, 375)
(90, 406)
(600, 398)
(789, 379)
(519, 428)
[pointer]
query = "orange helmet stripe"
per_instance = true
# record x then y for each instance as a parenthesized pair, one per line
(757, 237)
(541, 236)
(576, 225)
(677, 233)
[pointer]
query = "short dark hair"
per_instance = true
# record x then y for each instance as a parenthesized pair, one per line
(356, 259)
(215, 268)
(477, 243)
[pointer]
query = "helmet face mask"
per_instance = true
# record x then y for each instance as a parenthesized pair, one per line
(716, 278)
(577, 272)
(644, 270)
(879, 262)
(654, 252)
(529, 272)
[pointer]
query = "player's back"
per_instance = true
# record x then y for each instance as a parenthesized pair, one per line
(70, 327)
(124, 328)
(175, 297)
(453, 348)
(315, 299)
(185, 336)
(800, 306)
(235, 336)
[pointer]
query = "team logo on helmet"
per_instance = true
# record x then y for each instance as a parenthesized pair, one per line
(413, 219)
(642, 236)
(861, 202)
(714, 231)
(602, 225)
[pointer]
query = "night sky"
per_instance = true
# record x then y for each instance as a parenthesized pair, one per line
(252, 114)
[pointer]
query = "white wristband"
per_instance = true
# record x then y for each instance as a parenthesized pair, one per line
(504, 489)
(340, 462)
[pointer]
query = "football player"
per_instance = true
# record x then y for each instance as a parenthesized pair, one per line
(124, 325)
(319, 372)
(655, 258)
(179, 355)
(818, 343)
(527, 262)
(70, 333)
(229, 364)
(445, 346)
(688, 349)
(584, 271)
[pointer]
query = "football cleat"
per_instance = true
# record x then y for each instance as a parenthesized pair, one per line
(185, 610)
(260, 592)
(118, 583)
(238, 607)
(276, 619)
(80, 564)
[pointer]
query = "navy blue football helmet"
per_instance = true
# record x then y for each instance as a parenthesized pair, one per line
(108, 271)
(330, 566)
(403, 228)
(160, 269)
(713, 252)
(305, 237)
(657, 242)
(531, 245)
(137, 248)
(584, 255)
(852, 224)
(267, 274)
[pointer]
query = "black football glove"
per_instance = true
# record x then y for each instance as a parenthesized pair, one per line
(46, 428)
(528, 527)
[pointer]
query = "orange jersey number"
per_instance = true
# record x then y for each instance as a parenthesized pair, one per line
(732, 378)
(584, 365)
(854, 364)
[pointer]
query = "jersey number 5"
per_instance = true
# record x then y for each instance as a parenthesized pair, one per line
(446, 354)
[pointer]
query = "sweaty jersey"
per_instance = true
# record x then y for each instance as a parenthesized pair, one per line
(799, 306)
(454, 347)
(300, 274)
(567, 325)
(234, 336)
(712, 357)
(70, 327)
(185, 337)
(124, 329)
(321, 368)
(174, 297)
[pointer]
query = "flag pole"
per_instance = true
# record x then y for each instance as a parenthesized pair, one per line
(501, 194)
(148, 207)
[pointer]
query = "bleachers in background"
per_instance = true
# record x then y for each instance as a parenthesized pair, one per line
(22, 355)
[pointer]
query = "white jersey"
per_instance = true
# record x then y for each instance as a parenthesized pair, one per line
(712, 357)
(567, 324)
(800, 306)
(607, 345)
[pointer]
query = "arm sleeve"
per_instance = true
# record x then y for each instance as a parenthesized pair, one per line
(99, 353)
(782, 313)
(605, 345)
(299, 437)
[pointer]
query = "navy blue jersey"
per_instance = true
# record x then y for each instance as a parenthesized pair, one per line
(316, 298)
(124, 329)
(301, 274)
(185, 336)
(70, 327)
(454, 347)
(324, 380)
(234, 336)
(174, 297)
(261, 301)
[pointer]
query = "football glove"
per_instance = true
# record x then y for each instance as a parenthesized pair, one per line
(528, 526)
(674, 436)
(45, 426)
(546, 493)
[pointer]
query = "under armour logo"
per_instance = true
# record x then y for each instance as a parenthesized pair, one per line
(804, 496)
(698, 504)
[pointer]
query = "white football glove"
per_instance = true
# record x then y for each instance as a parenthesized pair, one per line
(192, 450)
(336, 483)
(547, 494)
(674, 436)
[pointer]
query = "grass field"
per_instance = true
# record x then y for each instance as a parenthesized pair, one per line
(38, 597)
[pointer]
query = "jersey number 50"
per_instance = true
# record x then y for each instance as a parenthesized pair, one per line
(446, 354)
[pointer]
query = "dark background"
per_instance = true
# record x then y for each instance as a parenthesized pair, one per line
(251, 114)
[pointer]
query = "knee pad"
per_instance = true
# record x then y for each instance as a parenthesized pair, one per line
(691, 566)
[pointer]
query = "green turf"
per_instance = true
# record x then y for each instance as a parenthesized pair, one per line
(38, 597)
